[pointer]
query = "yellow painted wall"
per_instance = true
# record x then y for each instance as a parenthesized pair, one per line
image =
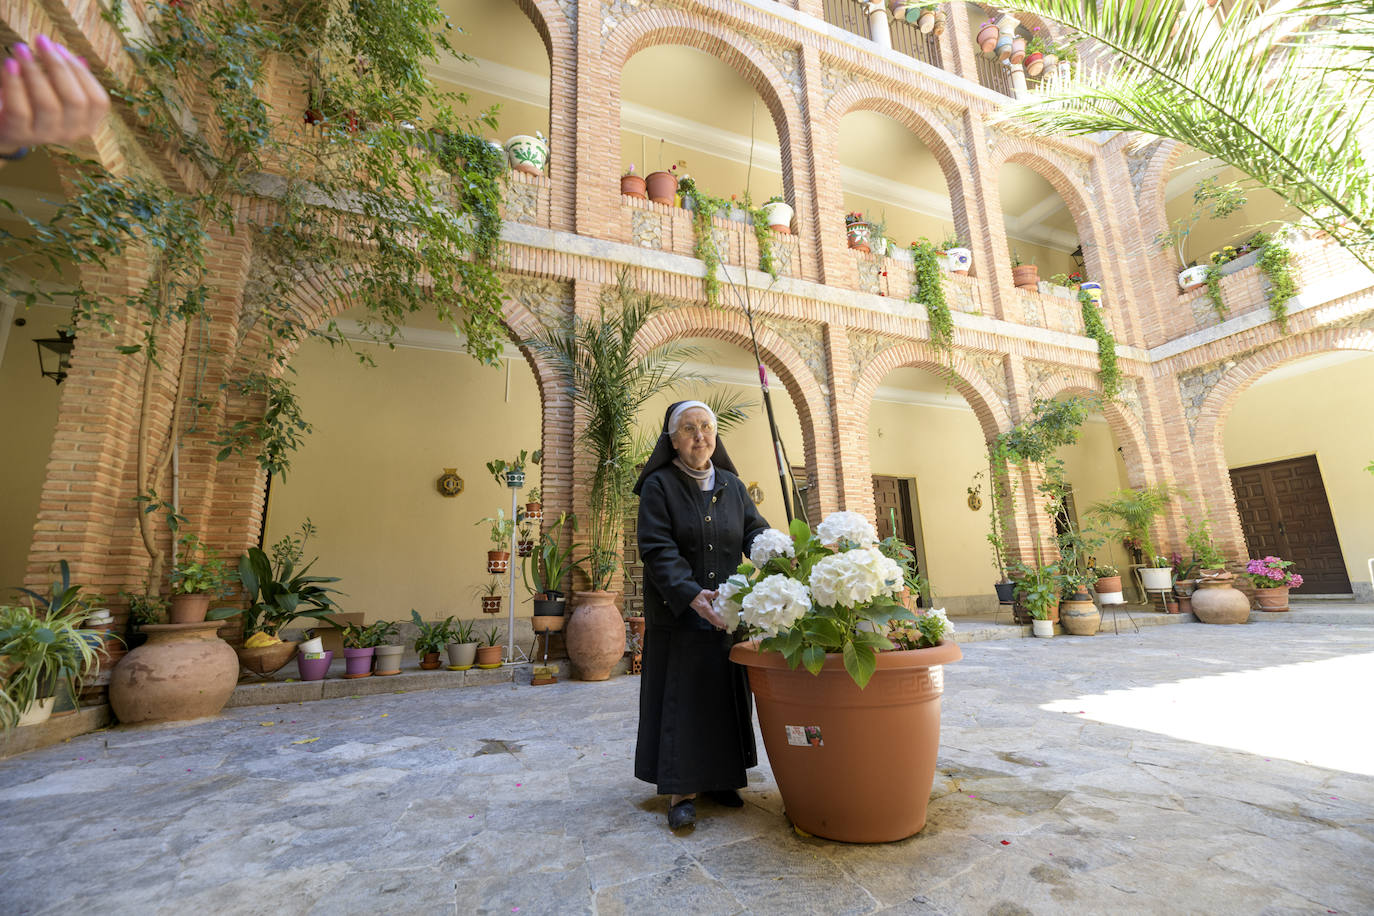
(28, 413)
(1272, 422)
(1095, 468)
(366, 476)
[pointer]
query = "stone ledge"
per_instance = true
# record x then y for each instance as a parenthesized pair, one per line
(54, 731)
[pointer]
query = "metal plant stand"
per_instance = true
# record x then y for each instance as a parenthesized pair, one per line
(515, 482)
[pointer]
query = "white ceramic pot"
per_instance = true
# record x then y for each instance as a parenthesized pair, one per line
(779, 216)
(38, 713)
(1111, 598)
(1157, 578)
(1065, 69)
(97, 617)
(527, 154)
(1007, 23)
(311, 646)
(958, 260)
(1094, 291)
(1192, 278)
(461, 654)
(1042, 628)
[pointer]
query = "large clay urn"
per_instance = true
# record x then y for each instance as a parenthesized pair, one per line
(595, 636)
(183, 671)
(1079, 616)
(1217, 601)
(852, 765)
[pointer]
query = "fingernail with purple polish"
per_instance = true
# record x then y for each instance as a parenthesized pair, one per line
(22, 52)
(44, 44)
(11, 66)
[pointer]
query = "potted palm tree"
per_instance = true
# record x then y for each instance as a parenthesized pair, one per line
(1130, 512)
(611, 382)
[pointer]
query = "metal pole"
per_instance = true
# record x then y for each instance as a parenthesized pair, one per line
(514, 553)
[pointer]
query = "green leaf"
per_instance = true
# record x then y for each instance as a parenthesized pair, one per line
(814, 659)
(823, 631)
(860, 662)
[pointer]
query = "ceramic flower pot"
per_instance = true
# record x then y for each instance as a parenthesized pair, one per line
(1192, 278)
(527, 154)
(1272, 599)
(1004, 44)
(39, 711)
(926, 22)
(265, 660)
(633, 186)
(188, 608)
(491, 604)
(430, 661)
(941, 19)
(1108, 590)
(958, 261)
(489, 656)
(1094, 291)
(498, 561)
(549, 607)
(311, 646)
(386, 660)
(595, 635)
(1006, 592)
(183, 671)
(358, 662)
(1042, 628)
(1080, 617)
(1034, 64)
(1217, 601)
(1018, 50)
(534, 512)
(859, 235)
(312, 668)
(1157, 578)
(779, 216)
(661, 187)
(461, 655)
(834, 747)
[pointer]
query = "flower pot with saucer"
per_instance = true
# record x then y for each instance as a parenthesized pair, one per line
(387, 660)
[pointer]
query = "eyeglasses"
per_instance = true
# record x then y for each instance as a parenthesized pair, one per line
(690, 430)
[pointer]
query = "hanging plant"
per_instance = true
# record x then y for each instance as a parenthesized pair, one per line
(928, 289)
(1276, 261)
(1108, 375)
(1214, 291)
(764, 236)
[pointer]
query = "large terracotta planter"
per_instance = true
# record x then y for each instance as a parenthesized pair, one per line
(987, 39)
(845, 786)
(266, 660)
(1272, 599)
(595, 635)
(1217, 601)
(633, 186)
(661, 187)
(1080, 618)
(1026, 276)
(188, 608)
(183, 671)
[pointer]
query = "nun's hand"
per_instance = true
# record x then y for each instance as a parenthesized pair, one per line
(702, 605)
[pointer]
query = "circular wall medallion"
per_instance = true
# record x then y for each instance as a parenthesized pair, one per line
(755, 492)
(975, 502)
(449, 483)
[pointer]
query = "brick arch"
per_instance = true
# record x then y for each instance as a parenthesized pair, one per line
(656, 27)
(783, 360)
(1126, 428)
(1209, 444)
(1092, 235)
(987, 404)
(947, 150)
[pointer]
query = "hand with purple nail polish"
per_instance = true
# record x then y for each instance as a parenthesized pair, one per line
(47, 95)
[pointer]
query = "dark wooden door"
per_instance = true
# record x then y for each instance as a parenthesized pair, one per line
(890, 496)
(1284, 512)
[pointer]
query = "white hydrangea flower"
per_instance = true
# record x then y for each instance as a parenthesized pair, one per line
(725, 604)
(769, 544)
(775, 604)
(946, 626)
(854, 577)
(850, 526)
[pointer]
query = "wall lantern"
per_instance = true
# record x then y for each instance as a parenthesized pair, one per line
(55, 355)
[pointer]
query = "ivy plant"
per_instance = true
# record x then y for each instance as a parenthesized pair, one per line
(1108, 374)
(705, 207)
(1276, 261)
(334, 208)
(928, 289)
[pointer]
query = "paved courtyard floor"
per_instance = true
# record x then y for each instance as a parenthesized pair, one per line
(1183, 769)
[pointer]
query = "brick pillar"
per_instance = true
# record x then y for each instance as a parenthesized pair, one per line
(848, 430)
(990, 258)
(596, 153)
(823, 239)
(956, 45)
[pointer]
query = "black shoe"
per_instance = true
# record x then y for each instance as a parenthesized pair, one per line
(683, 814)
(727, 797)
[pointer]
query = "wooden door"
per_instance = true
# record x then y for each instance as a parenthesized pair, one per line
(1284, 512)
(898, 495)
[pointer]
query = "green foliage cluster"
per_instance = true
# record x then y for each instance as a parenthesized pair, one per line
(198, 569)
(277, 593)
(1134, 509)
(1108, 374)
(705, 207)
(357, 636)
(431, 637)
(1213, 275)
(927, 288)
(1276, 261)
(42, 645)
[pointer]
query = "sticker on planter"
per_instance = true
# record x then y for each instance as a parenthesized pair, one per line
(804, 735)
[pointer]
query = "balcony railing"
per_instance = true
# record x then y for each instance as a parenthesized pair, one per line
(847, 15)
(906, 37)
(993, 75)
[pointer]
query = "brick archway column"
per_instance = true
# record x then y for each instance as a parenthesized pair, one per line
(956, 45)
(594, 205)
(993, 270)
(834, 265)
(848, 427)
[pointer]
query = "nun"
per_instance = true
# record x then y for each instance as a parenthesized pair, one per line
(696, 521)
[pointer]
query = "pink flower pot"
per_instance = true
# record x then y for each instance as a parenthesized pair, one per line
(314, 669)
(358, 662)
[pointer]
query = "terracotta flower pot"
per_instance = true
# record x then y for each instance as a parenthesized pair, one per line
(524, 548)
(661, 187)
(632, 186)
(1018, 50)
(488, 656)
(987, 38)
(1272, 599)
(188, 608)
(1108, 584)
(1080, 618)
(491, 604)
(1034, 64)
(534, 512)
(1027, 276)
(1217, 601)
(926, 22)
(430, 661)
(843, 789)
(858, 235)
(183, 671)
(595, 635)
(498, 561)
(266, 660)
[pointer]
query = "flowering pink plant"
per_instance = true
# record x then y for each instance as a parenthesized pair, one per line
(1271, 572)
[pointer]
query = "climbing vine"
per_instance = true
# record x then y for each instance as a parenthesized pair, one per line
(705, 208)
(1108, 374)
(928, 289)
(384, 196)
(1214, 290)
(1276, 261)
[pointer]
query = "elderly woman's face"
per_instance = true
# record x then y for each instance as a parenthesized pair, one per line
(695, 439)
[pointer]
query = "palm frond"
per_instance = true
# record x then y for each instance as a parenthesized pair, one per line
(1263, 92)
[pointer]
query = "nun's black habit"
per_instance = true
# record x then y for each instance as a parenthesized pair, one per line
(696, 732)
